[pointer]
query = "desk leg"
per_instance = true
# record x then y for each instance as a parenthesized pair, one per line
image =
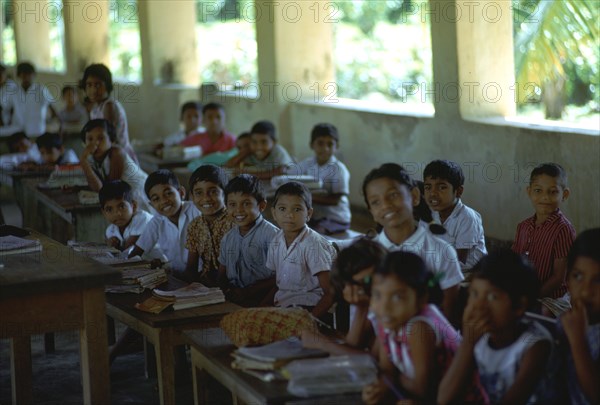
(165, 366)
(94, 350)
(199, 378)
(20, 367)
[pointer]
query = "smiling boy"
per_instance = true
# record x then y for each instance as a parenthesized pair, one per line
(546, 237)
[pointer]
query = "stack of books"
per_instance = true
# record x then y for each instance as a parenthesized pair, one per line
(191, 296)
(136, 279)
(10, 245)
(65, 176)
(266, 361)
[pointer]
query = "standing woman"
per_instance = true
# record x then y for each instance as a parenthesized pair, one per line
(97, 83)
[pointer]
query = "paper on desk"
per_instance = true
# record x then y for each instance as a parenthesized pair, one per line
(11, 242)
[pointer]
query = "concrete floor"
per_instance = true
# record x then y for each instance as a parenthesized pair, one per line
(56, 377)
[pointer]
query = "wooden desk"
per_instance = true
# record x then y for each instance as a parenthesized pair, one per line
(150, 163)
(164, 330)
(48, 210)
(211, 354)
(50, 291)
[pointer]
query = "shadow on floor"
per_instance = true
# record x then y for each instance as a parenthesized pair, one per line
(56, 377)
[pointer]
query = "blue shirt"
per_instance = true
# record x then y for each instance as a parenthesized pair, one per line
(244, 257)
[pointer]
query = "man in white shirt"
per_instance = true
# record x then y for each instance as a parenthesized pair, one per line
(29, 103)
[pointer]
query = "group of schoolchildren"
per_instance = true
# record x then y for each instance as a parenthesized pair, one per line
(432, 344)
(403, 285)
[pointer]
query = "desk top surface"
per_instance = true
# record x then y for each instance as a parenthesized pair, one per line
(168, 318)
(216, 347)
(173, 162)
(55, 268)
(67, 200)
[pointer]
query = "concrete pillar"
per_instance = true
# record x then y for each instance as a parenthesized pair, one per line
(32, 32)
(295, 45)
(295, 42)
(86, 34)
(168, 39)
(486, 58)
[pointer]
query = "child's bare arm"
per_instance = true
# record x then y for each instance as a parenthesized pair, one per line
(326, 300)
(93, 181)
(422, 351)
(453, 384)
(117, 163)
(192, 262)
(361, 331)
(462, 255)
(530, 372)
(449, 300)
(130, 241)
(114, 242)
(575, 323)
(559, 271)
(237, 159)
(137, 251)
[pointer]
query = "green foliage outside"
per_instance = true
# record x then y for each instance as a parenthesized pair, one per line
(557, 52)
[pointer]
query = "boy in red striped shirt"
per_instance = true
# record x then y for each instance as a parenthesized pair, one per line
(546, 237)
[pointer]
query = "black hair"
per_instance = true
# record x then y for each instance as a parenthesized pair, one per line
(246, 184)
(115, 190)
(322, 130)
(587, 244)
(190, 105)
(243, 135)
(265, 128)
(49, 141)
(511, 273)
(14, 139)
(99, 123)
(294, 188)
(66, 89)
(550, 169)
(211, 173)
(25, 68)
(101, 72)
(360, 255)
(388, 170)
(445, 170)
(161, 176)
(411, 270)
(212, 106)
(2, 68)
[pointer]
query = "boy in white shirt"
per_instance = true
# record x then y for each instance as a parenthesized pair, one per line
(443, 183)
(390, 194)
(168, 228)
(331, 210)
(301, 258)
(127, 223)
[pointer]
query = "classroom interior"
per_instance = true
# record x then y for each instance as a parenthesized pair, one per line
(468, 125)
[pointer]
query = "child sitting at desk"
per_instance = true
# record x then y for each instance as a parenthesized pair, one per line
(207, 186)
(102, 160)
(215, 138)
(352, 274)
(300, 257)
(443, 186)
(243, 274)
(331, 210)
(268, 158)
(127, 223)
(23, 153)
(169, 226)
(74, 115)
(53, 152)
(390, 194)
(191, 119)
